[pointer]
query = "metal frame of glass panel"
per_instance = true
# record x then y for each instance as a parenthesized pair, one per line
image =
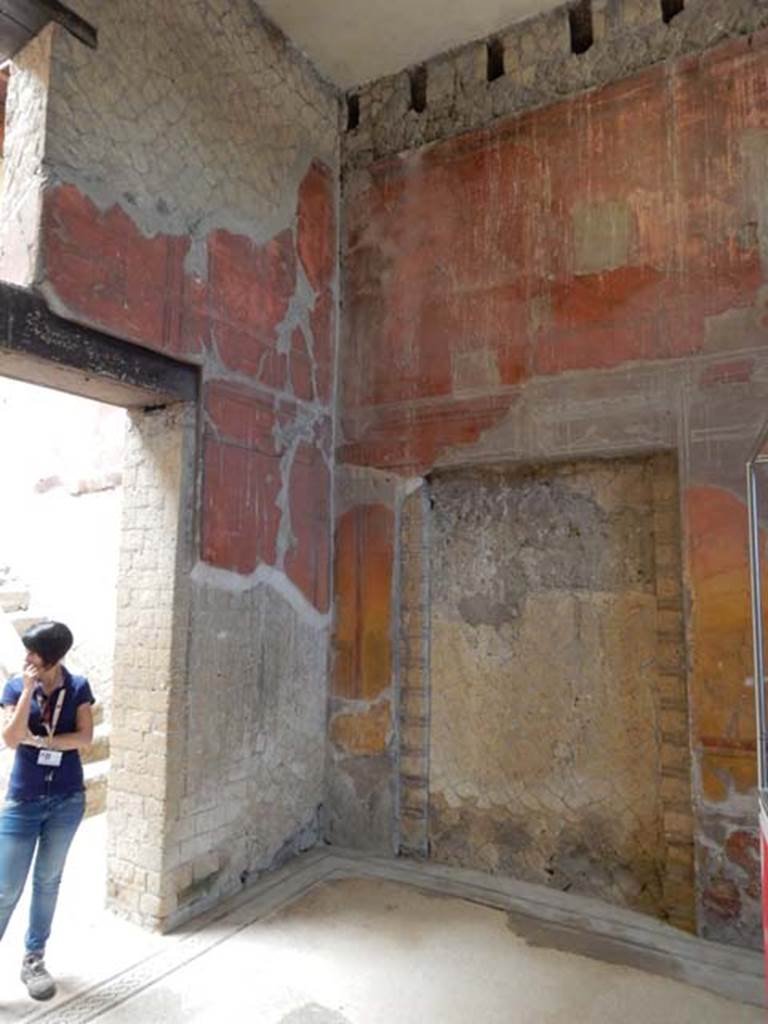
(759, 458)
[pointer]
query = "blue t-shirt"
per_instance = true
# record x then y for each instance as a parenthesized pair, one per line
(30, 780)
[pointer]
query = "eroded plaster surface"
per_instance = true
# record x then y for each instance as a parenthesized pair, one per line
(545, 734)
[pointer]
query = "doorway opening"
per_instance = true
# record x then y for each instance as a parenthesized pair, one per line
(61, 469)
(108, 509)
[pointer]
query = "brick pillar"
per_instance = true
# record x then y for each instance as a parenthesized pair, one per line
(678, 896)
(413, 776)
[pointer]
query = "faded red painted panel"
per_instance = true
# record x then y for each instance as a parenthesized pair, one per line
(316, 226)
(603, 230)
(241, 478)
(249, 291)
(732, 371)
(322, 323)
(722, 705)
(730, 882)
(410, 440)
(239, 415)
(241, 518)
(365, 539)
(109, 274)
(307, 561)
(301, 367)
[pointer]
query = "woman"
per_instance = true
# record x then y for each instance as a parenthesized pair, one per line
(48, 719)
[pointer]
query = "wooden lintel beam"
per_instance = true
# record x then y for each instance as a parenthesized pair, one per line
(72, 22)
(42, 348)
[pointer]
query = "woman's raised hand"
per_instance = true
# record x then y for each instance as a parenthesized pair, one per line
(31, 677)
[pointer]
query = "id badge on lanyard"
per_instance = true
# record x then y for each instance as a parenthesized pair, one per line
(52, 758)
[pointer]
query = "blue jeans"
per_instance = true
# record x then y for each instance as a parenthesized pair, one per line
(49, 824)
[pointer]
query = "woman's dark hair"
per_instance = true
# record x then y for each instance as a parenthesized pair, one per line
(49, 640)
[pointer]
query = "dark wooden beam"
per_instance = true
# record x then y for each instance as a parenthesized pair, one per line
(73, 23)
(21, 20)
(41, 348)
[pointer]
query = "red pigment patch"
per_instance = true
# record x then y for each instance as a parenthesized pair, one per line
(737, 371)
(241, 479)
(240, 515)
(411, 441)
(363, 591)
(109, 274)
(722, 706)
(429, 277)
(316, 226)
(723, 898)
(743, 849)
(307, 561)
(322, 323)
(249, 291)
(301, 367)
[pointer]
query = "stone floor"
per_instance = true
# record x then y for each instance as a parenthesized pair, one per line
(337, 938)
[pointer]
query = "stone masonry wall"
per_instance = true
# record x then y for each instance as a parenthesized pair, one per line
(189, 205)
(536, 62)
(587, 279)
(25, 110)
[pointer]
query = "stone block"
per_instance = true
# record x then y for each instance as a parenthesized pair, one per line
(470, 64)
(640, 13)
(441, 82)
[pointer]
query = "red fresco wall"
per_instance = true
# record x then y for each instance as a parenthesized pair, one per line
(469, 244)
(257, 444)
(465, 280)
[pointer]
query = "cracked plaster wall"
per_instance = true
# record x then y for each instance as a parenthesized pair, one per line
(545, 714)
(188, 172)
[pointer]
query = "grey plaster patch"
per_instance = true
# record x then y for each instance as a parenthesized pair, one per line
(360, 802)
(357, 485)
(474, 369)
(602, 236)
(253, 780)
(738, 328)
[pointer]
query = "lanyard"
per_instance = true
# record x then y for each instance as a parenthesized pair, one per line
(51, 728)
